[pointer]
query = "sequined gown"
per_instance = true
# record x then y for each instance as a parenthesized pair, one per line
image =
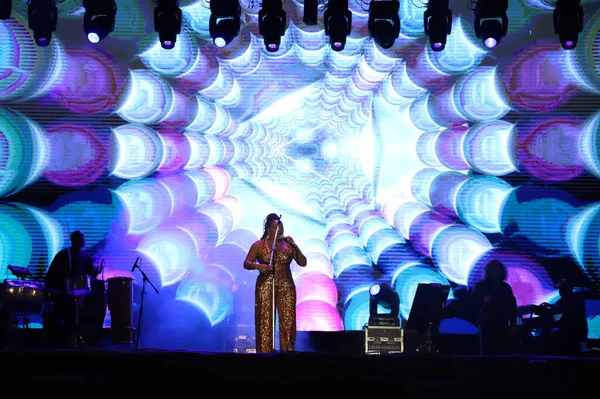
(285, 300)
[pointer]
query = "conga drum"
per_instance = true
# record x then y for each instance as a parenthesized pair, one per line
(93, 311)
(120, 305)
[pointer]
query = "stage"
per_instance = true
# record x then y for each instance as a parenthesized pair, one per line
(171, 373)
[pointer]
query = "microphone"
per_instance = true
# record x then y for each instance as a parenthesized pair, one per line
(101, 270)
(135, 264)
(275, 240)
(290, 241)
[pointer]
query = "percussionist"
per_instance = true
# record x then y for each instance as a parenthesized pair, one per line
(68, 263)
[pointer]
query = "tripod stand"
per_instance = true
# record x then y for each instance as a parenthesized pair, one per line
(139, 326)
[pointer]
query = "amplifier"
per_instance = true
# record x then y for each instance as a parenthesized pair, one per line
(383, 340)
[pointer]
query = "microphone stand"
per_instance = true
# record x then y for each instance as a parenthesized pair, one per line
(272, 268)
(145, 280)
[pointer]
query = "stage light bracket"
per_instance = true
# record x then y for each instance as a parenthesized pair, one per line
(386, 12)
(225, 20)
(437, 10)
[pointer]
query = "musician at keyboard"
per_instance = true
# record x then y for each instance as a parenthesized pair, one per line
(572, 324)
(561, 326)
(68, 264)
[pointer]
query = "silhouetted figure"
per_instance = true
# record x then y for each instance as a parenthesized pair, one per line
(495, 306)
(59, 319)
(572, 325)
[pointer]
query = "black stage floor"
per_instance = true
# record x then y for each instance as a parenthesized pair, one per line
(327, 362)
(161, 373)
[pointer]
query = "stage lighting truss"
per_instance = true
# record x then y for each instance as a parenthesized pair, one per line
(338, 23)
(5, 9)
(224, 24)
(438, 23)
(491, 21)
(271, 23)
(167, 22)
(99, 19)
(382, 295)
(43, 18)
(568, 22)
(384, 22)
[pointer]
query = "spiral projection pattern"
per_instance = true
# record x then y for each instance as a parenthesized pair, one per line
(400, 166)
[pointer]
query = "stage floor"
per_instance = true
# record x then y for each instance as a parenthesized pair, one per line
(117, 373)
(334, 361)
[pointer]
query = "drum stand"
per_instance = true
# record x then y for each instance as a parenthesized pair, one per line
(76, 339)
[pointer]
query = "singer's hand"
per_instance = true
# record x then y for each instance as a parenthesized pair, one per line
(262, 268)
(290, 241)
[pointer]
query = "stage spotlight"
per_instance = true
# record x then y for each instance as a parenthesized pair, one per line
(225, 22)
(99, 19)
(438, 23)
(271, 24)
(568, 22)
(384, 22)
(167, 22)
(338, 23)
(43, 18)
(5, 9)
(382, 295)
(491, 21)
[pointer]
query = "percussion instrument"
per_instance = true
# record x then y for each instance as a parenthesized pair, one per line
(20, 296)
(120, 305)
(79, 285)
(93, 310)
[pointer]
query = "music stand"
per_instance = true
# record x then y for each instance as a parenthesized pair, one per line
(426, 313)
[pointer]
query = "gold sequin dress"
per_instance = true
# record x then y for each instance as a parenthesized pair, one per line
(285, 300)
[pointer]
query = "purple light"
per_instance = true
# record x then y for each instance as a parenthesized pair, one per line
(167, 44)
(569, 44)
(316, 286)
(318, 315)
(490, 42)
(272, 47)
(79, 155)
(42, 42)
(338, 46)
(438, 46)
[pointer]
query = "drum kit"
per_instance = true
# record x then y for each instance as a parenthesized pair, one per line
(23, 298)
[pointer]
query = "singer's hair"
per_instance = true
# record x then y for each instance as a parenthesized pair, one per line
(267, 222)
(496, 269)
